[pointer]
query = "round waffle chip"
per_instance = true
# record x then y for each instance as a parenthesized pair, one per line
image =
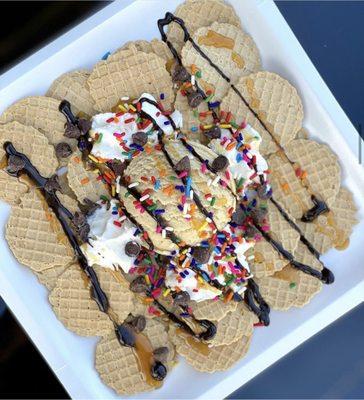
(303, 134)
(333, 229)
(72, 86)
(118, 365)
(274, 100)
(121, 299)
(11, 188)
(199, 13)
(84, 183)
(72, 303)
(32, 143)
(193, 118)
(155, 46)
(233, 327)
(49, 277)
(42, 113)
(267, 259)
(291, 287)
(70, 203)
(321, 165)
(212, 310)
(35, 235)
(229, 48)
(130, 75)
(209, 359)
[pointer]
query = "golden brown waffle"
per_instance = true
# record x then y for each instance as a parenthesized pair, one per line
(233, 327)
(191, 119)
(70, 203)
(321, 165)
(35, 235)
(11, 189)
(84, 182)
(155, 46)
(216, 358)
(117, 291)
(276, 102)
(266, 259)
(291, 287)
(72, 303)
(48, 277)
(233, 51)
(41, 113)
(131, 75)
(72, 86)
(198, 13)
(212, 310)
(118, 365)
(32, 143)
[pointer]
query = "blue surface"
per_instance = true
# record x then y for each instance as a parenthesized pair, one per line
(331, 364)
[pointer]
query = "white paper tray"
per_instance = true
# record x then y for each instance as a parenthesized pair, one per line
(72, 357)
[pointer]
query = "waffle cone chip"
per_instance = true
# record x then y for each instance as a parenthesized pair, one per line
(199, 13)
(276, 102)
(118, 365)
(35, 235)
(32, 143)
(41, 113)
(155, 46)
(49, 276)
(11, 188)
(233, 51)
(72, 303)
(209, 359)
(212, 310)
(131, 74)
(233, 327)
(72, 86)
(320, 164)
(266, 259)
(83, 182)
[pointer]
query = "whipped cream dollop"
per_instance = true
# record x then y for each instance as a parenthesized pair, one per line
(112, 133)
(109, 234)
(240, 151)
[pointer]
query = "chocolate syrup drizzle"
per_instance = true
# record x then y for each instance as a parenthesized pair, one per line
(319, 205)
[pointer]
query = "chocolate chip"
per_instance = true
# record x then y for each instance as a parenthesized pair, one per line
(125, 335)
(71, 131)
(259, 215)
(83, 228)
(194, 99)
(161, 354)
(15, 164)
(79, 219)
(84, 232)
(201, 254)
(158, 371)
(84, 125)
(89, 207)
(238, 216)
(52, 184)
(181, 299)
(213, 133)
(132, 249)
(183, 164)
(117, 166)
(180, 74)
(140, 138)
(264, 192)
(138, 285)
(138, 323)
(220, 163)
(63, 150)
(251, 232)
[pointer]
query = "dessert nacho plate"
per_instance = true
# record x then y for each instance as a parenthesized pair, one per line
(72, 357)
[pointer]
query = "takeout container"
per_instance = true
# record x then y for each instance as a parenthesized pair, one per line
(72, 357)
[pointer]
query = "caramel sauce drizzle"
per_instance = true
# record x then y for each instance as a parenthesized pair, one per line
(217, 40)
